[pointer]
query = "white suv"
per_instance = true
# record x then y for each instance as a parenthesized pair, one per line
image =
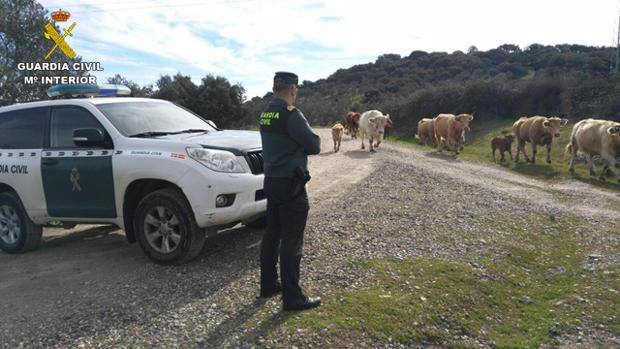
(154, 169)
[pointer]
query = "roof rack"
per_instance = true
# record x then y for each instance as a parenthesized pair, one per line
(87, 90)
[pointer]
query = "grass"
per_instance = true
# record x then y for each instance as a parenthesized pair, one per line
(478, 148)
(432, 301)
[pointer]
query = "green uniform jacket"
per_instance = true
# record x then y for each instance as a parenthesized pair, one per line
(287, 139)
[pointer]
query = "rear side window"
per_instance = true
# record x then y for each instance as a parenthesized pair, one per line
(23, 129)
(65, 120)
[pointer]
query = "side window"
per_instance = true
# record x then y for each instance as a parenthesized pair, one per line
(23, 129)
(66, 119)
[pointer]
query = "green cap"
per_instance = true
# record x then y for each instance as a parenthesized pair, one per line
(286, 78)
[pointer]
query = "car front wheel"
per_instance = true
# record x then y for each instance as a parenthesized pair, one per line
(166, 227)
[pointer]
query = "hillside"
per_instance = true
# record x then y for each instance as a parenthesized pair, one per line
(572, 80)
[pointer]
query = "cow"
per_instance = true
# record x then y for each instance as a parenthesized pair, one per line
(503, 144)
(596, 137)
(337, 131)
(450, 130)
(372, 125)
(426, 131)
(351, 123)
(538, 130)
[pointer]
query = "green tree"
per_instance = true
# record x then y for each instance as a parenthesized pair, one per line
(21, 41)
(136, 90)
(214, 99)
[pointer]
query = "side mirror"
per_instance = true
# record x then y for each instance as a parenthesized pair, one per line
(88, 137)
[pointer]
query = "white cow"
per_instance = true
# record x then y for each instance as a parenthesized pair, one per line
(596, 137)
(372, 125)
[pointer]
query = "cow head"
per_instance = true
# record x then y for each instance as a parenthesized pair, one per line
(554, 124)
(509, 138)
(463, 120)
(614, 131)
(378, 123)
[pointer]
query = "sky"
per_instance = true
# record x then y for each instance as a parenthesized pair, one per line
(246, 41)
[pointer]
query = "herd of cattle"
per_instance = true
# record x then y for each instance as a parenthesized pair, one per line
(447, 131)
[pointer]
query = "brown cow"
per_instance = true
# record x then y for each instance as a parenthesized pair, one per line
(426, 131)
(337, 131)
(538, 130)
(351, 124)
(596, 137)
(503, 144)
(450, 130)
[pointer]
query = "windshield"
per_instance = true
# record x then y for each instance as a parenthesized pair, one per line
(132, 118)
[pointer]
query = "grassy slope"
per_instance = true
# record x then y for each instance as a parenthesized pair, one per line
(447, 303)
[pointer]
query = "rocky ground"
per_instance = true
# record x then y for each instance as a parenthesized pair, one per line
(88, 288)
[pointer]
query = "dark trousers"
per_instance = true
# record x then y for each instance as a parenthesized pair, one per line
(284, 236)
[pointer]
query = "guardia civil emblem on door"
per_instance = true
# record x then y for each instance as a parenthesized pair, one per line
(75, 179)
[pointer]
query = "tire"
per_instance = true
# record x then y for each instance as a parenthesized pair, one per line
(18, 234)
(259, 223)
(181, 240)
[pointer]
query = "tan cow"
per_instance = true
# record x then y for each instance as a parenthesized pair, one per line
(450, 130)
(426, 131)
(337, 131)
(596, 137)
(538, 130)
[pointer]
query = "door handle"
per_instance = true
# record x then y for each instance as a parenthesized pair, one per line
(49, 162)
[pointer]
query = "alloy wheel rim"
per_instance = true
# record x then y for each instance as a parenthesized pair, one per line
(162, 229)
(10, 225)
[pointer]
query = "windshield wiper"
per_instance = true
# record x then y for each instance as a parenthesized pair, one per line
(166, 133)
(151, 134)
(190, 130)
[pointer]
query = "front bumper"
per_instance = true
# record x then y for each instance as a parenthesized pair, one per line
(201, 192)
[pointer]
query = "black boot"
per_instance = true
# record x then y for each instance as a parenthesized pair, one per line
(303, 304)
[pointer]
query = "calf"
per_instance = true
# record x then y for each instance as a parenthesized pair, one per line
(337, 131)
(538, 130)
(503, 144)
(596, 137)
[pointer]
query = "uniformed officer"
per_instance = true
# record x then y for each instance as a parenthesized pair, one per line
(287, 140)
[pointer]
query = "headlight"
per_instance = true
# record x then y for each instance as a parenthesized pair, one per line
(217, 160)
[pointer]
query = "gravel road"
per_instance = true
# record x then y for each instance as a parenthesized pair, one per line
(87, 287)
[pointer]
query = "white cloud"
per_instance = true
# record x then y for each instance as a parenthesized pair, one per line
(247, 40)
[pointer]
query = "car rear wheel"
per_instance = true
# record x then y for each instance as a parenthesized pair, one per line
(166, 227)
(18, 233)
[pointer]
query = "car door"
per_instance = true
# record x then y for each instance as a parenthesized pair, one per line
(22, 138)
(78, 182)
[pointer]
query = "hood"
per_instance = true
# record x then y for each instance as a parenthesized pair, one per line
(238, 142)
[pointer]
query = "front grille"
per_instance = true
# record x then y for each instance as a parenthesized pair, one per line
(255, 160)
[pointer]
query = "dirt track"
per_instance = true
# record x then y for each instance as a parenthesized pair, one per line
(88, 286)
